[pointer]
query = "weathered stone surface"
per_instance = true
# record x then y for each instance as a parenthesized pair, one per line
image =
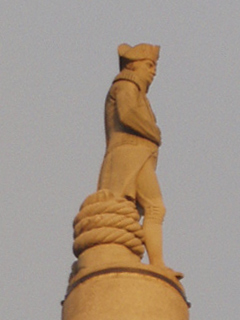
(108, 279)
(132, 139)
(128, 294)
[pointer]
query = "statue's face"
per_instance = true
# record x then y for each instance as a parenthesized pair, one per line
(146, 70)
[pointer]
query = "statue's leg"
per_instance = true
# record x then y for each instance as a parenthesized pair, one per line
(150, 199)
(152, 227)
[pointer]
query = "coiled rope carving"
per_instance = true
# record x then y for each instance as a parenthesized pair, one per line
(104, 219)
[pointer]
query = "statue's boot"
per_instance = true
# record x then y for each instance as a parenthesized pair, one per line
(152, 227)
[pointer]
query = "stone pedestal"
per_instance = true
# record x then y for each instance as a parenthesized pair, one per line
(125, 294)
(110, 283)
(108, 280)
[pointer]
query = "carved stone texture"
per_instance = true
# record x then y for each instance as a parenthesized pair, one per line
(132, 139)
(104, 219)
(108, 280)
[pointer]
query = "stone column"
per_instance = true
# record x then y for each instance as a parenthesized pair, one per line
(125, 293)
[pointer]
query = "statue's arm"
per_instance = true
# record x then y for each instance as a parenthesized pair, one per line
(130, 114)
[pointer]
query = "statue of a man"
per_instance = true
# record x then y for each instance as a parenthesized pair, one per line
(133, 139)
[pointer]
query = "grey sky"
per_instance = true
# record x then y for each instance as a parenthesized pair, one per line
(57, 61)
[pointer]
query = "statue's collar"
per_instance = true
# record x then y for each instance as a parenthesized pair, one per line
(130, 76)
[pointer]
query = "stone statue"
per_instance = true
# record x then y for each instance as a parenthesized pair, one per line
(133, 139)
(108, 279)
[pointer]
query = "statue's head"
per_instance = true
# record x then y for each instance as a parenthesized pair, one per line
(142, 59)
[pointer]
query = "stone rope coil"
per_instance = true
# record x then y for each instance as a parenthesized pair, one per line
(105, 219)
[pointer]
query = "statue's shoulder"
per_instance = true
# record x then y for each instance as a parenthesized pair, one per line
(126, 79)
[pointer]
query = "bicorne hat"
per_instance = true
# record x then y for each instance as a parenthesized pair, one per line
(139, 52)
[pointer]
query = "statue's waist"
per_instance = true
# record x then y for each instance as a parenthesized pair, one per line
(121, 138)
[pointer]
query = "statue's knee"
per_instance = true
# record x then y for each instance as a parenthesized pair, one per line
(155, 214)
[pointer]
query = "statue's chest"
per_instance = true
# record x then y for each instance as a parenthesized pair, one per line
(145, 106)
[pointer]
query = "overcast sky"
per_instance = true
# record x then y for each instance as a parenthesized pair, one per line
(57, 61)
